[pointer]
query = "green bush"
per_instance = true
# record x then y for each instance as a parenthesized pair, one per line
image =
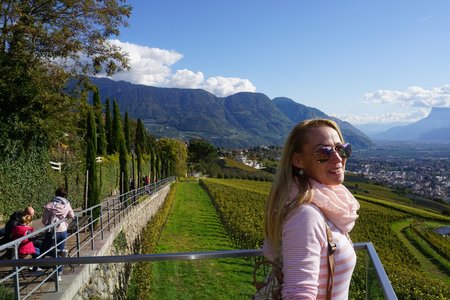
(26, 180)
(29, 180)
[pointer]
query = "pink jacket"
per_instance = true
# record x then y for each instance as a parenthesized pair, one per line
(26, 247)
(58, 209)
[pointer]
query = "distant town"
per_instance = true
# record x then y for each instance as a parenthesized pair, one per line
(425, 177)
(419, 169)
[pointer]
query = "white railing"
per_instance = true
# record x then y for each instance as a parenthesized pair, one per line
(56, 165)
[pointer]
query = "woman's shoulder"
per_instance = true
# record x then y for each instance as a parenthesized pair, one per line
(306, 213)
(309, 210)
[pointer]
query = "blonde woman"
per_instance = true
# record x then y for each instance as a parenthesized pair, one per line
(26, 247)
(306, 194)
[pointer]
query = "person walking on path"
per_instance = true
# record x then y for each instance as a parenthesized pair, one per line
(54, 211)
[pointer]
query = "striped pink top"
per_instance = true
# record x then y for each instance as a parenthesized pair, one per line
(305, 259)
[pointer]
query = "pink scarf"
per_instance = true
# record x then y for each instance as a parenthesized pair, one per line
(336, 203)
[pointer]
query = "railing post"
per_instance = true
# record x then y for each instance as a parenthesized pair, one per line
(16, 275)
(367, 259)
(77, 235)
(109, 214)
(55, 253)
(115, 212)
(91, 227)
(119, 207)
(101, 221)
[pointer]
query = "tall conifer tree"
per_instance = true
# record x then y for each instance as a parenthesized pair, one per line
(138, 165)
(101, 134)
(91, 164)
(126, 129)
(108, 127)
(152, 164)
(140, 136)
(119, 140)
(157, 166)
(117, 128)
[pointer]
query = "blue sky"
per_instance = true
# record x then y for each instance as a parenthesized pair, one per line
(362, 61)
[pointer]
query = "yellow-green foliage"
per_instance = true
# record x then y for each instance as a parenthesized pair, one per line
(439, 243)
(231, 163)
(235, 169)
(403, 208)
(120, 243)
(240, 204)
(374, 190)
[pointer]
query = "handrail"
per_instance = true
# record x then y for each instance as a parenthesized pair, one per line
(381, 274)
(110, 216)
(117, 210)
(131, 194)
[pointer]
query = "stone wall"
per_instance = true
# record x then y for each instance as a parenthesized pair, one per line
(110, 281)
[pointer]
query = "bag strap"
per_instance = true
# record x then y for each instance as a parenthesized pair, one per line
(278, 273)
(331, 249)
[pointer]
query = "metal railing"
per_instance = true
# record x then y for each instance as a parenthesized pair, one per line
(110, 213)
(383, 280)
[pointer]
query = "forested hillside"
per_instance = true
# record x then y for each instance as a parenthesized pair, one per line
(241, 120)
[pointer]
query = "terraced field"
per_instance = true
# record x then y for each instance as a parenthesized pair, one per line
(240, 204)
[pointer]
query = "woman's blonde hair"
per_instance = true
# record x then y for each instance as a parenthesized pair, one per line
(26, 219)
(280, 204)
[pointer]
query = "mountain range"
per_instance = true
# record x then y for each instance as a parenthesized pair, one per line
(435, 128)
(241, 120)
(246, 119)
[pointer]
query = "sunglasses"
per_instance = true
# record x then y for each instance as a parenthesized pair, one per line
(324, 153)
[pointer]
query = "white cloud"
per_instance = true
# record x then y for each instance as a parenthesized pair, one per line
(424, 19)
(153, 66)
(228, 85)
(187, 79)
(414, 96)
(385, 118)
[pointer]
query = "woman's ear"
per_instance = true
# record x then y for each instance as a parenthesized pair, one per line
(297, 160)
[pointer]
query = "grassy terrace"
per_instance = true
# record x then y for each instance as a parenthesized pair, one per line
(193, 225)
(409, 279)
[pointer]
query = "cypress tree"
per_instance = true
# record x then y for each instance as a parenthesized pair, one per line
(117, 128)
(123, 153)
(91, 164)
(157, 166)
(108, 127)
(101, 133)
(139, 139)
(138, 165)
(126, 129)
(152, 165)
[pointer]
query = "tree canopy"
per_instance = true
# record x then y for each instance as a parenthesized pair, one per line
(42, 45)
(201, 151)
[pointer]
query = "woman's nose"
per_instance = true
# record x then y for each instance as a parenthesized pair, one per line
(335, 155)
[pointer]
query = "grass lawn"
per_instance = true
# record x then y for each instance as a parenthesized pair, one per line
(194, 226)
